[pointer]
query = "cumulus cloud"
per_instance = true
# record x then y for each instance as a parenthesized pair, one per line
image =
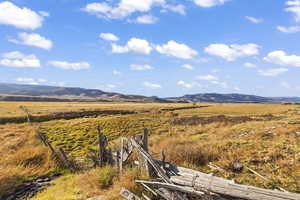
(69, 65)
(33, 39)
(294, 8)
(178, 50)
(207, 78)
(272, 72)
(291, 29)
(254, 20)
(185, 84)
(152, 85)
(146, 19)
(140, 67)
(107, 87)
(23, 18)
(175, 8)
(133, 45)
(31, 81)
(233, 51)
(123, 9)
(108, 37)
(188, 67)
(281, 58)
(18, 59)
(249, 65)
(210, 3)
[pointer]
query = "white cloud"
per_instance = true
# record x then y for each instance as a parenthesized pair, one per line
(152, 85)
(178, 50)
(207, 78)
(254, 20)
(23, 18)
(294, 9)
(281, 58)
(249, 65)
(140, 67)
(116, 73)
(109, 37)
(123, 9)
(146, 19)
(177, 9)
(33, 39)
(185, 84)
(272, 72)
(41, 80)
(210, 3)
(188, 67)
(233, 51)
(291, 29)
(133, 45)
(107, 87)
(31, 81)
(68, 65)
(18, 59)
(44, 13)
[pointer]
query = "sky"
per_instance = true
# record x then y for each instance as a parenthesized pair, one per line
(159, 48)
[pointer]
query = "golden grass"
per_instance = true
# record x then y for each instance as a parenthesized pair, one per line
(271, 148)
(22, 156)
(97, 182)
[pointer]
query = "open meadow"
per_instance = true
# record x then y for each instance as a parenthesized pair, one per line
(262, 137)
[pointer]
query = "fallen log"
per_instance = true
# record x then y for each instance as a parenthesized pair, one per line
(201, 181)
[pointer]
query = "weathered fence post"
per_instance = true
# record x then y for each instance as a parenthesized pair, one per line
(102, 141)
(145, 167)
(121, 155)
(26, 111)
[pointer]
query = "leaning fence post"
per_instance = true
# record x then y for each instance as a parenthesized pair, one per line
(121, 155)
(102, 140)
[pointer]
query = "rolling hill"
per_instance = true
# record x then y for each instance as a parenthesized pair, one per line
(19, 92)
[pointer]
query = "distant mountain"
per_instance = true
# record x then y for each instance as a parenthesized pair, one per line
(232, 98)
(19, 92)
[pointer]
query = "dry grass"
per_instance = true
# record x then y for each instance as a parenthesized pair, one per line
(102, 181)
(23, 156)
(270, 147)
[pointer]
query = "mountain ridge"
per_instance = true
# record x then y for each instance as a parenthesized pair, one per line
(23, 92)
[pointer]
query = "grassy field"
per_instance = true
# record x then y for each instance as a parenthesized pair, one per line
(265, 138)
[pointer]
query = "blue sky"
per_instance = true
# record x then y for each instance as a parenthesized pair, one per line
(153, 47)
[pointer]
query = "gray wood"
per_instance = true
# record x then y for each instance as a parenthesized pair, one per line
(128, 195)
(146, 197)
(221, 186)
(148, 157)
(121, 156)
(102, 142)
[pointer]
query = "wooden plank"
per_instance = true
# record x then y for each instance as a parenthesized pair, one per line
(179, 188)
(221, 186)
(146, 197)
(128, 195)
(148, 157)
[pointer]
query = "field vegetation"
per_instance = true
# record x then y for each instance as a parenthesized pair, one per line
(262, 137)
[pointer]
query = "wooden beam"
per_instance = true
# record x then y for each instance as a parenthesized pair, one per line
(186, 177)
(152, 162)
